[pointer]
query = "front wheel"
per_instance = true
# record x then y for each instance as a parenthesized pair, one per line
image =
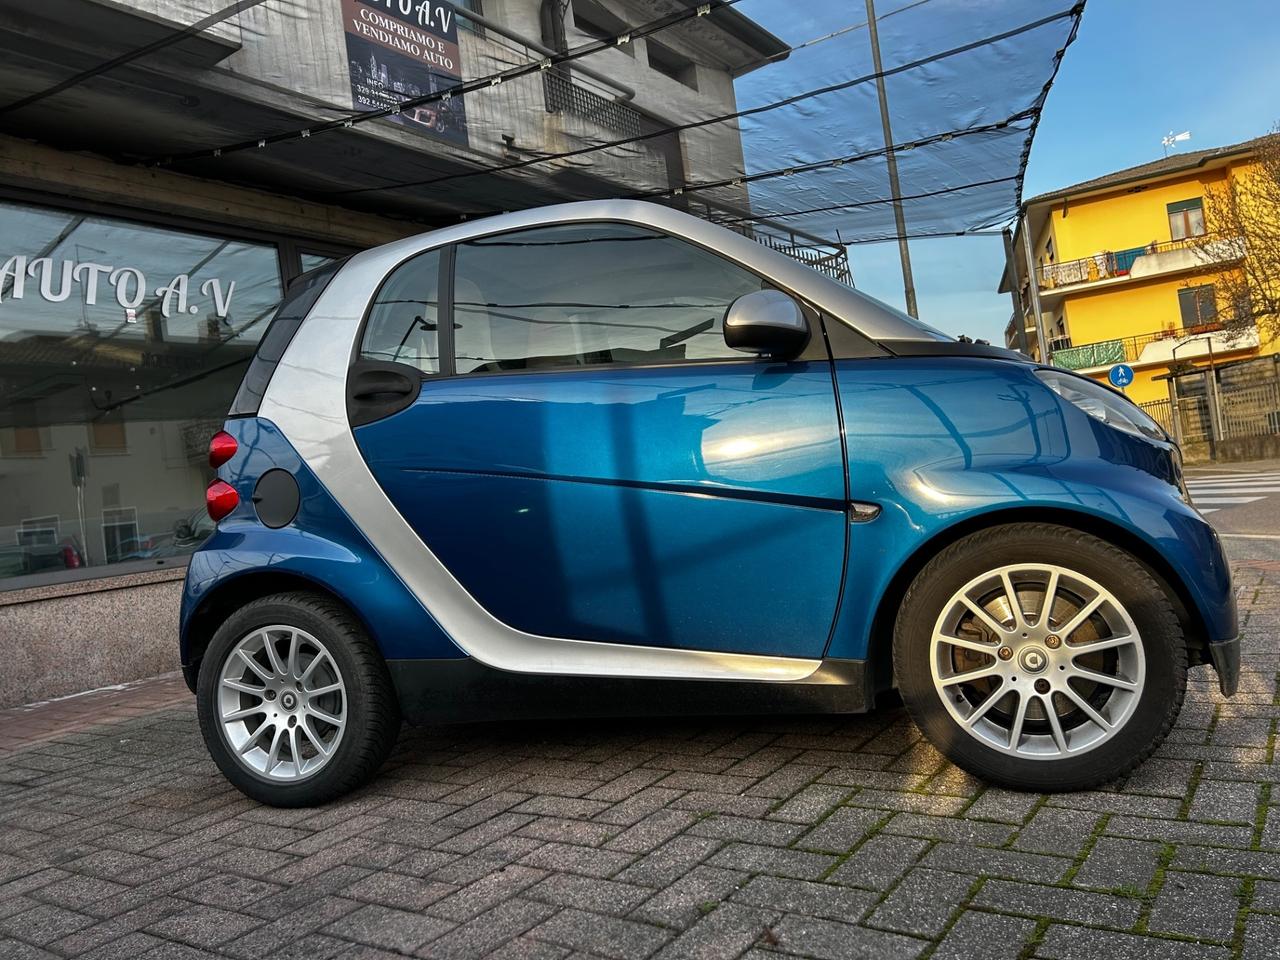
(296, 705)
(1040, 658)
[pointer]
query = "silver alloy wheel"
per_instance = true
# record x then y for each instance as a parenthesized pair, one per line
(282, 703)
(1037, 661)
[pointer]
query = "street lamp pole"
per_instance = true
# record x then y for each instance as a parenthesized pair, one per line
(1033, 277)
(895, 189)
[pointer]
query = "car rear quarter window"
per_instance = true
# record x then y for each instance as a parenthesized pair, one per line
(297, 303)
(585, 294)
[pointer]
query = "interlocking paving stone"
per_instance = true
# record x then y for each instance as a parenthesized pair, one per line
(204, 926)
(839, 832)
(958, 829)
(721, 934)
(1196, 905)
(1261, 934)
(681, 903)
(399, 890)
(485, 889)
(747, 829)
(1115, 863)
(986, 935)
(598, 896)
(392, 929)
(1240, 863)
(807, 898)
(1220, 801)
(775, 861)
(991, 862)
(831, 940)
(1080, 943)
(606, 936)
(1005, 806)
(810, 804)
(488, 931)
(1180, 831)
(1266, 896)
(921, 903)
(1057, 903)
(1057, 831)
(44, 924)
(880, 861)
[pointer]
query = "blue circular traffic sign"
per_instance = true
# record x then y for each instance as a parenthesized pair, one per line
(1121, 375)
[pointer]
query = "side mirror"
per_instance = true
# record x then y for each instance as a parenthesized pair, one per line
(766, 322)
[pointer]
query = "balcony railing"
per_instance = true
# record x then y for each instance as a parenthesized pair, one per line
(1110, 264)
(1104, 353)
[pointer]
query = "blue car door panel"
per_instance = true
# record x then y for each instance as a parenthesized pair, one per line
(697, 507)
(600, 465)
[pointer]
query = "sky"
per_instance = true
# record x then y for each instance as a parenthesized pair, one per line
(1138, 70)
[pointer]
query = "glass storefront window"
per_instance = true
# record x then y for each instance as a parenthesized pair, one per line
(121, 346)
(312, 261)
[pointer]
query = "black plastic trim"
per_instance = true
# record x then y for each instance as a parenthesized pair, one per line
(950, 348)
(379, 388)
(1225, 657)
(464, 690)
(846, 343)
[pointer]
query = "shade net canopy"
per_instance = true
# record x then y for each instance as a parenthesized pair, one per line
(963, 82)
(765, 115)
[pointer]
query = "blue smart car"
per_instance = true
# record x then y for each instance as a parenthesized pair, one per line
(609, 459)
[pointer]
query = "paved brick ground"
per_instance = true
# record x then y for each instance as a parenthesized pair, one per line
(828, 838)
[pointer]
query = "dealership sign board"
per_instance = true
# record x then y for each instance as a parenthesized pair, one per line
(55, 280)
(401, 49)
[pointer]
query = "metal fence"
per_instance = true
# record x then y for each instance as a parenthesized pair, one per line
(1248, 404)
(1251, 411)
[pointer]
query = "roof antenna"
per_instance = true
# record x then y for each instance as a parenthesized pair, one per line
(1171, 140)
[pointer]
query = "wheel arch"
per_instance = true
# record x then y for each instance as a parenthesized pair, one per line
(235, 592)
(880, 646)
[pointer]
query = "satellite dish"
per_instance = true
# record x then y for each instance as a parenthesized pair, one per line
(1172, 139)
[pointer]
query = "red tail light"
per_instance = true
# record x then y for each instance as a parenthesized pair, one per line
(220, 499)
(221, 448)
(70, 557)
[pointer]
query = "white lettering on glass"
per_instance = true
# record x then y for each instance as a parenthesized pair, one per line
(178, 288)
(46, 279)
(13, 276)
(58, 278)
(221, 301)
(120, 280)
(87, 275)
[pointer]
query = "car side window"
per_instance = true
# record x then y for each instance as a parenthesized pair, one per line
(595, 293)
(403, 320)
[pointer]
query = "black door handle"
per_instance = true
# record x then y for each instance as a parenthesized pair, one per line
(377, 389)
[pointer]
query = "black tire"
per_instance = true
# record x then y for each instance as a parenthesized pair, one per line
(1129, 581)
(373, 710)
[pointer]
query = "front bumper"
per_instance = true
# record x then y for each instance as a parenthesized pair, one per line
(1225, 656)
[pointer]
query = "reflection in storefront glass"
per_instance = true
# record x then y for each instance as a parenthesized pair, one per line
(310, 261)
(121, 346)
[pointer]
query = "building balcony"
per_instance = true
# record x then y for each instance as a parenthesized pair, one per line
(1154, 349)
(1120, 266)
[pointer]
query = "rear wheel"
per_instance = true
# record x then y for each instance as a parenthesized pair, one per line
(1039, 657)
(295, 702)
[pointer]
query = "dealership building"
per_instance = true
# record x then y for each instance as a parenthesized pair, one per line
(150, 222)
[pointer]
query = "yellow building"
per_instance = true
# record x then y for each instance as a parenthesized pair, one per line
(1126, 273)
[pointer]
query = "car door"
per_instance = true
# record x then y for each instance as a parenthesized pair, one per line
(589, 459)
